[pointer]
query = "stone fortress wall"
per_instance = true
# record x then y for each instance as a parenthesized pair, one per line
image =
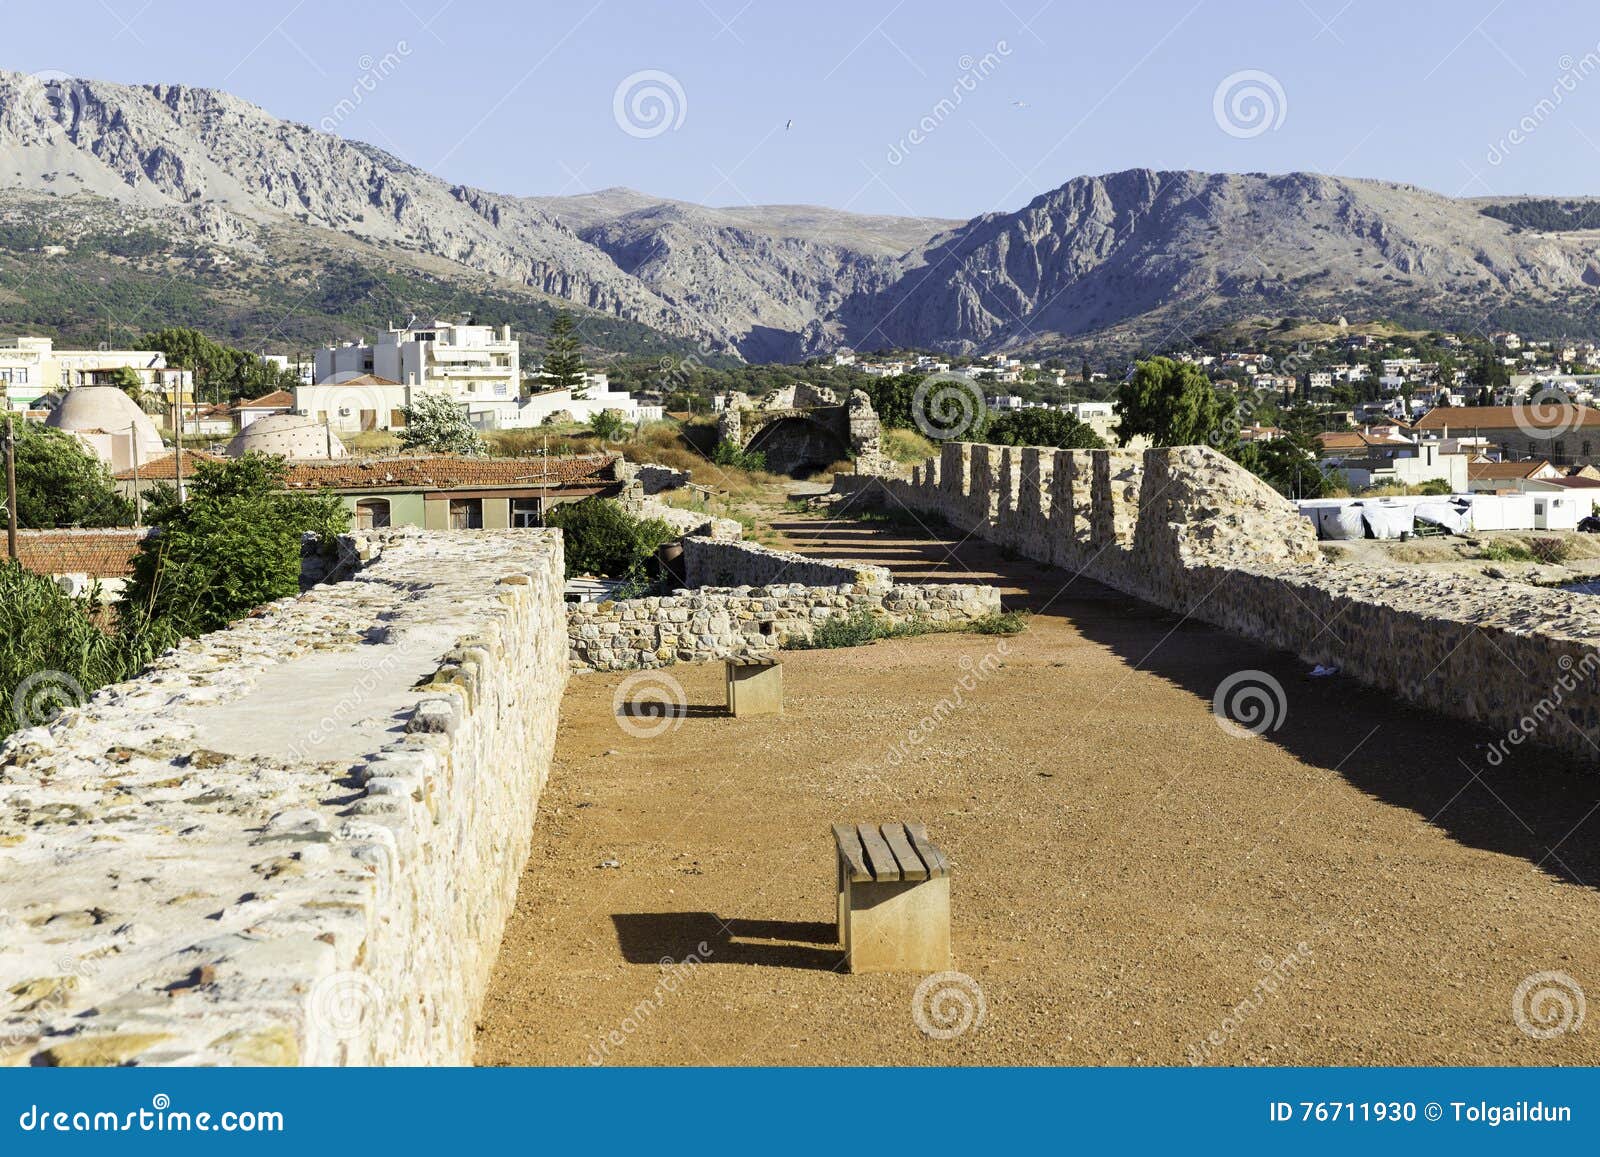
(1188, 529)
(745, 599)
(294, 841)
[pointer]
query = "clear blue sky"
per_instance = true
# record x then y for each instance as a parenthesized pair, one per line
(520, 98)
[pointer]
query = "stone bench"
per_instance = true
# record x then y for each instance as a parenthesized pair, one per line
(894, 898)
(755, 685)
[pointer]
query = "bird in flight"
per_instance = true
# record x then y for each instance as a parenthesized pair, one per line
(1020, 103)
(789, 125)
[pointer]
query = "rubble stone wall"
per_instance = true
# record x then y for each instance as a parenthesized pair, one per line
(709, 562)
(711, 623)
(294, 841)
(1188, 529)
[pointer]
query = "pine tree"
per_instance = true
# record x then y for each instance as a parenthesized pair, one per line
(563, 358)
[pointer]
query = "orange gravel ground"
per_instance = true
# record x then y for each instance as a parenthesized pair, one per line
(1131, 884)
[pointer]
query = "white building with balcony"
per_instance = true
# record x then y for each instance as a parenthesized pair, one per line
(476, 366)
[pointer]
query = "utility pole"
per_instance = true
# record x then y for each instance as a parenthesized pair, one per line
(138, 495)
(177, 446)
(11, 487)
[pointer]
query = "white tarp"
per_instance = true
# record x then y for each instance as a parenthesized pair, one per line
(1339, 523)
(1453, 514)
(1387, 519)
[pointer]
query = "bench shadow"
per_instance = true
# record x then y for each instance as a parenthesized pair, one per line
(1538, 805)
(665, 937)
(653, 709)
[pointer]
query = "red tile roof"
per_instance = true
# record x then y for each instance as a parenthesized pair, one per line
(447, 472)
(1533, 416)
(97, 553)
(277, 400)
(161, 466)
(1484, 471)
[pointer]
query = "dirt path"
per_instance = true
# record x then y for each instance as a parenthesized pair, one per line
(1129, 879)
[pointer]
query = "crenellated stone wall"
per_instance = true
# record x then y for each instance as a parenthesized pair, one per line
(1190, 530)
(295, 841)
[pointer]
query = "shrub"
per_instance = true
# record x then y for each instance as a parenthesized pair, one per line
(604, 539)
(727, 454)
(1550, 550)
(608, 425)
(1004, 623)
(234, 545)
(1503, 551)
(853, 630)
(55, 650)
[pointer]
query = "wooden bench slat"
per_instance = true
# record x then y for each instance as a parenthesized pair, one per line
(879, 858)
(911, 865)
(932, 856)
(849, 843)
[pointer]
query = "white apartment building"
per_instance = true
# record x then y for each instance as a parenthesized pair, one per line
(478, 366)
(32, 368)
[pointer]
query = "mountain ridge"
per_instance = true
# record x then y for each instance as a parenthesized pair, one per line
(1136, 258)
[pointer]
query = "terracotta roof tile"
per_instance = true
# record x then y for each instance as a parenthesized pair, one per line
(1483, 471)
(97, 553)
(161, 466)
(1533, 416)
(277, 400)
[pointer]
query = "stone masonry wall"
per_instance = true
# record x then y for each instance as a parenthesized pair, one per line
(716, 563)
(1187, 529)
(710, 624)
(294, 841)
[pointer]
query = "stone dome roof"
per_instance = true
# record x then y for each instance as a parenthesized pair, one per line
(290, 435)
(105, 410)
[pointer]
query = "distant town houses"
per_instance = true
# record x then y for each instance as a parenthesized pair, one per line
(32, 369)
(368, 386)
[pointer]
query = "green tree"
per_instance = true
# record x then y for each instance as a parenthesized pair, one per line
(234, 545)
(1288, 463)
(1039, 427)
(608, 425)
(221, 371)
(60, 482)
(603, 539)
(1172, 403)
(563, 356)
(436, 424)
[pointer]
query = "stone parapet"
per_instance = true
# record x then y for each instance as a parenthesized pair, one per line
(295, 841)
(712, 623)
(1190, 530)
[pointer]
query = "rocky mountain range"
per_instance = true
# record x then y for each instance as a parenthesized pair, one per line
(1138, 258)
